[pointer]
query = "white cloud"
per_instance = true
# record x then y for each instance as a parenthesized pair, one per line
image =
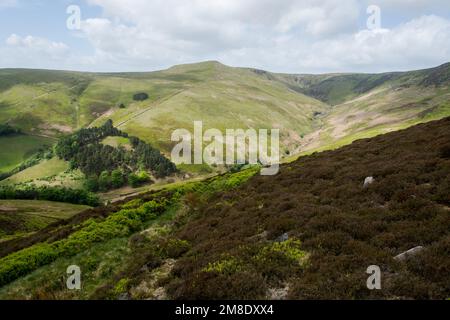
(288, 36)
(32, 52)
(408, 5)
(37, 45)
(424, 41)
(319, 18)
(285, 35)
(159, 33)
(420, 43)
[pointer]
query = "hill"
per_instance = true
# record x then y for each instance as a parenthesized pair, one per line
(222, 97)
(365, 105)
(321, 229)
(335, 89)
(309, 232)
(16, 149)
(314, 112)
(54, 103)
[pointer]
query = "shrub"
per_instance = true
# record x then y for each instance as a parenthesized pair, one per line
(91, 183)
(174, 248)
(135, 180)
(121, 286)
(104, 181)
(22, 262)
(51, 194)
(444, 152)
(289, 248)
(133, 204)
(6, 129)
(140, 96)
(118, 224)
(228, 265)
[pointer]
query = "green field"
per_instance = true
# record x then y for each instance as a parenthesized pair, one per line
(17, 148)
(117, 142)
(53, 172)
(19, 217)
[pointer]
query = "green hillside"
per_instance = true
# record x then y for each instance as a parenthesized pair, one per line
(246, 236)
(365, 105)
(52, 172)
(55, 103)
(314, 112)
(22, 217)
(17, 148)
(334, 89)
(221, 97)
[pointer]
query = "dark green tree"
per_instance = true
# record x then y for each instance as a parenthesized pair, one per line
(104, 181)
(117, 179)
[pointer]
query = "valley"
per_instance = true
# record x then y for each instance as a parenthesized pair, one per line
(246, 236)
(87, 179)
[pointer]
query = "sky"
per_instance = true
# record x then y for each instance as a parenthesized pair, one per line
(292, 36)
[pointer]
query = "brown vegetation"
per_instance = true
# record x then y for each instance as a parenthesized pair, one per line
(344, 227)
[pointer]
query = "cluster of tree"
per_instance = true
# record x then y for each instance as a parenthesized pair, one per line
(107, 167)
(71, 145)
(140, 96)
(6, 130)
(50, 194)
(151, 158)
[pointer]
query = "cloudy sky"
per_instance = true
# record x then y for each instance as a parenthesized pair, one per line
(295, 36)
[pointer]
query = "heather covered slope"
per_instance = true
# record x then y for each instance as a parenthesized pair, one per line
(342, 227)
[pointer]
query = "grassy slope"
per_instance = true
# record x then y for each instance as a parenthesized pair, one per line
(221, 97)
(102, 258)
(51, 102)
(53, 172)
(17, 148)
(41, 101)
(382, 110)
(20, 217)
